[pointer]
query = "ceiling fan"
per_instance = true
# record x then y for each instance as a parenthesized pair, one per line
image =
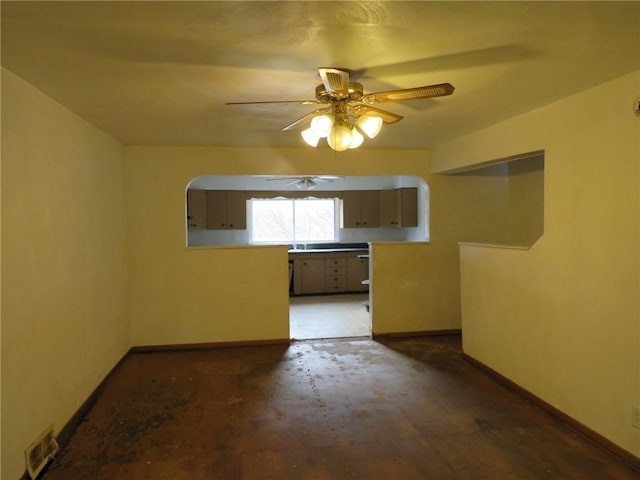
(306, 182)
(350, 114)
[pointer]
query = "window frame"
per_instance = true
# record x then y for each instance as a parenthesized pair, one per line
(294, 241)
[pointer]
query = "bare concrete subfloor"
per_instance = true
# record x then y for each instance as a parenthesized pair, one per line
(332, 409)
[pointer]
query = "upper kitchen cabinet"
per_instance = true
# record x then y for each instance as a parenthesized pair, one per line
(226, 209)
(361, 209)
(399, 207)
(196, 209)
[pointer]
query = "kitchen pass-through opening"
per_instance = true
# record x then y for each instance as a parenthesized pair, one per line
(329, 316)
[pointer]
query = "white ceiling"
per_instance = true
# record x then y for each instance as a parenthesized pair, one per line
(159, 73)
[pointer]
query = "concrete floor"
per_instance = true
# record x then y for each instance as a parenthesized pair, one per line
(329, 316)
(332, 409)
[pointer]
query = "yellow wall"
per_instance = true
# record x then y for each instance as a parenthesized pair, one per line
(563, 319)
(63, 265)
(416, 286)
(180, 295)
(525, 222)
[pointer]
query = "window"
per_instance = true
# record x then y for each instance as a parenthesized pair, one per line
(288, 220)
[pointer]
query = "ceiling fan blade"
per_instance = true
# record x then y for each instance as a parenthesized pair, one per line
(305, 119)
(335, 80)
(387, 117)
(328, 177)
(297, 102)
(429, 91)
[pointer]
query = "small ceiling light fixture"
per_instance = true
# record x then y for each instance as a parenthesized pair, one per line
(370, 125)
(306, 183)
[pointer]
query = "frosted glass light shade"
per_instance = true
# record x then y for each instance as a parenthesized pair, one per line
(321, 125)
(310, 137)
(370, 125)
(339, 137)
(356, 139)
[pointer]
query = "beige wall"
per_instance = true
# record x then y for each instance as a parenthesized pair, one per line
(562, 319)
(63, 265)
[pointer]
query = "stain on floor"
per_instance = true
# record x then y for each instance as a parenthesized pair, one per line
(333, 409)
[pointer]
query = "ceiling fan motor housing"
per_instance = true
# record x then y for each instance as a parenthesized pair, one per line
(354, 93)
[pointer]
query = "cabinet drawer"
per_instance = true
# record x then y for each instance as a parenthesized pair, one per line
(335, 262)
(335, 282)
(335, 271)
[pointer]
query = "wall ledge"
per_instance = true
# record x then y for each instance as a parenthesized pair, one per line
(495, 245)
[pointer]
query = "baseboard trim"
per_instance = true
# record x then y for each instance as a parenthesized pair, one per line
(623, 456)
(419, 333)
(209, 345)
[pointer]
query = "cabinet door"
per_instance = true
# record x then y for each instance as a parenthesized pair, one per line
(389, 208)
(357, 271)
(226, 209)
(370, 208)
(196, 209)
(360, 208)
(409, 207)
(216, 209)
(351, 211)
(236, 203)
(311, 275)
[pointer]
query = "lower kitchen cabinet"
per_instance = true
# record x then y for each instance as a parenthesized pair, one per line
(358, 272)
(329, 272)
(311, 275)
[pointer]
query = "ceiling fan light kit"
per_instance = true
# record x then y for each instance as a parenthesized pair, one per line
(350, 116)
(305, 182)
(342, 131)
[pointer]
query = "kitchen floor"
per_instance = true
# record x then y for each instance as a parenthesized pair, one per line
(338, 409)
(329, 316)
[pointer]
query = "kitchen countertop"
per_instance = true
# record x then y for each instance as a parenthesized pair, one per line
(328, 250)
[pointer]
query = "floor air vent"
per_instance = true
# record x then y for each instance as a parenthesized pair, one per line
(38, 454)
